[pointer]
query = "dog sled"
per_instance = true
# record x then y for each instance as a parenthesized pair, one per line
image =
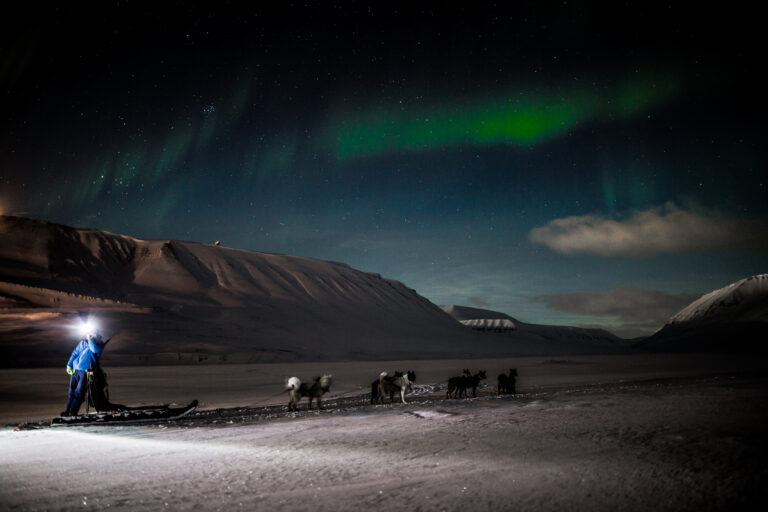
(108, 413)
(150, 414)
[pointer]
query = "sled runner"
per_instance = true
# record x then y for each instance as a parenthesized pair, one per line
(128, 415)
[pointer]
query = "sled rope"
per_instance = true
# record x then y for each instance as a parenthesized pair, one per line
(342, 395)
(270, 397)
(275, 395)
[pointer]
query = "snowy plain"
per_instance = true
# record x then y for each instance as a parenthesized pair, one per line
(584, 433)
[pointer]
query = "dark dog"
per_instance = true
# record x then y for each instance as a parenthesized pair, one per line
(457, 386)
(389, 385)
(297, 390)
(456, 383)
(375, 386)
(506, 383)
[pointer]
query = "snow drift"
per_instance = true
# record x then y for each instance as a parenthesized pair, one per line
(734, 317)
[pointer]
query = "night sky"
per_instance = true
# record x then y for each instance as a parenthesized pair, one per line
(566, 163)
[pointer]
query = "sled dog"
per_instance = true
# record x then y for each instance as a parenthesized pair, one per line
(457, 386)
(456, 383)
(506, 383)
(375, 387)
(297, 390)
(389, 385)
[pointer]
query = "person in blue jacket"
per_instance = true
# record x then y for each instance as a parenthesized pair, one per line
(85, 354)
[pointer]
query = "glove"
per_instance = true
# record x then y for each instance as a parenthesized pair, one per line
(70, 370)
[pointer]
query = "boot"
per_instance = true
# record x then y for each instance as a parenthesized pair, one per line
(65, 414)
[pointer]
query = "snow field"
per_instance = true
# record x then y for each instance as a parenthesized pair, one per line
(692, 444)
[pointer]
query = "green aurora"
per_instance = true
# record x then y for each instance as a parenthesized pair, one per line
(520, 119)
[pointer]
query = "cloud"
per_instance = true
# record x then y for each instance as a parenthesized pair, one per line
(628, 312)
(667, 229)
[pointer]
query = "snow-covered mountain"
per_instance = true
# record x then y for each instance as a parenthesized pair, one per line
(734, 317)
(169, 301)
(743, 301)
(172, 301)
(467, 313)
(556, 338)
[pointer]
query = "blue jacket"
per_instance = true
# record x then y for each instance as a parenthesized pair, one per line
(86, 352)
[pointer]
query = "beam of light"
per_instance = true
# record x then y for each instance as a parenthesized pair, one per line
(518, 119)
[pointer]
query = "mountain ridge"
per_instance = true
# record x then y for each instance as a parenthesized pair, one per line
(179, 302)
(582, 339)
(731, 318)
(207, 299)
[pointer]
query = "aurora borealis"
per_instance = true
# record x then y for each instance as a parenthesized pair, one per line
(513, 158)
(518, 118)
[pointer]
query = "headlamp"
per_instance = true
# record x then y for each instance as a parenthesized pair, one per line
(87, 326)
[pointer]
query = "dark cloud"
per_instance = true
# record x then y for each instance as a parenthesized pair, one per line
(627, 312)
(667, 229)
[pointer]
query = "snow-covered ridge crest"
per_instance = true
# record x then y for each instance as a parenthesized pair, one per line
(169, 272)
(176, 302)
(744, 300)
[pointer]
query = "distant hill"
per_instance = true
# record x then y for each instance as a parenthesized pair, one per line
(732, 318)
(549, 339)
(467, 313)
(169, 301)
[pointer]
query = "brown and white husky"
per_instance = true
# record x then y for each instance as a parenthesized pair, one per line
(389, 385)
(297, 390)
